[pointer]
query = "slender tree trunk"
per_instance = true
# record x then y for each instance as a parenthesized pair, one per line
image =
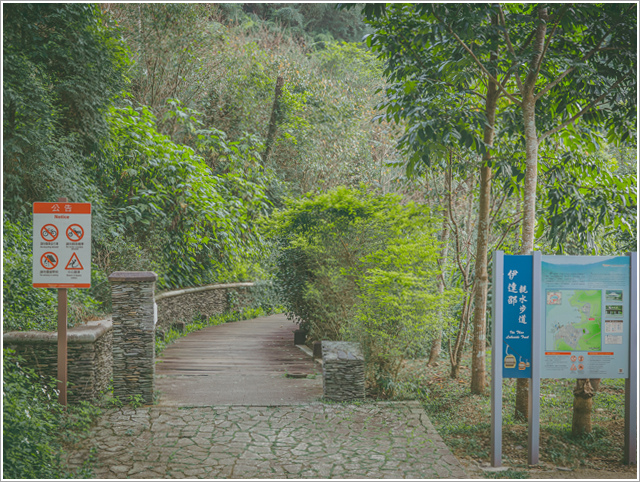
(583, 394)
(478, 361)
(273, 121)
(531, 176)
(528, 225)
(436, 344)
(455, 353)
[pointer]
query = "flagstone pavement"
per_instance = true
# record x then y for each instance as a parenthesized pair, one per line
(227, 407)
(314, 440)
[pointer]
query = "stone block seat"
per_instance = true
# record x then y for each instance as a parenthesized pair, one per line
(342, 371)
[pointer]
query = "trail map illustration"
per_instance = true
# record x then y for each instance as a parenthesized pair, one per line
(574, 320)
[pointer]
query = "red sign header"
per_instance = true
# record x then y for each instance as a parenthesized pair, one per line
(61, 208)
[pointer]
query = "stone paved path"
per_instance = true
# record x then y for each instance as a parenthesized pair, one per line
(316, 440)
(227, 409)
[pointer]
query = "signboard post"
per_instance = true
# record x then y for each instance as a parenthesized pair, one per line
(62, 259)
(631, 383)
(563, 317)
(516, 317)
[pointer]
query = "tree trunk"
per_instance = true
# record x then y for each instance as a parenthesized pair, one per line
(478, 361)
(531, 175)
(583, 394)
(528, 224)
(273, 121)
(436, 344)
(455, 351)
(522, 399)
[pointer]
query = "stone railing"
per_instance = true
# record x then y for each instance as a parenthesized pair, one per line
(182, 306)
(122, 346)
(89, 365)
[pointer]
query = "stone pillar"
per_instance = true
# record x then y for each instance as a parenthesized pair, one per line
(342, 371)
(132, 295)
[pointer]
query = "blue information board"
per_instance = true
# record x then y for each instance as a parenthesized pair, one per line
(517, 311)
(563, 317)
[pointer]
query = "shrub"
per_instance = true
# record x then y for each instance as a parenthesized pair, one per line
(399, 307)
(355, 265)
(161, 188)
(34, 424)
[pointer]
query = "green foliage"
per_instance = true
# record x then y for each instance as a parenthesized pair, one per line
(136, 401)
(158, 186)
(174, 50)
(358, 266)
(62, 65)
(30, 419)
(590, 202)
(399, 306)
(315, 23)
(325, 137)
(585, 93)
(34, 424)
(26, 307)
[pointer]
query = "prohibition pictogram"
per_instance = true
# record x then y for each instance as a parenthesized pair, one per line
(74, 263)
(75, 232)
(49, 232)
(49, 260)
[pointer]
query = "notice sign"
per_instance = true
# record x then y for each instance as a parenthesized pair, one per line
(585, 311)
(61, 245)
(516, 333)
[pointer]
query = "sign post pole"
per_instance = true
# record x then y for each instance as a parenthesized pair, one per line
(631, 383)
(62, 340)
(534, 383)
(62, 260)
(496, 361)
(62, 346)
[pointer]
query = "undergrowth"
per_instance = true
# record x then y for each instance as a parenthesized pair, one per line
(463, 420)
(35, 426)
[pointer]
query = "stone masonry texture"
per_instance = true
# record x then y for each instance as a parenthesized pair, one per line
(132, 296)
(317, 440)
(342, 371)
(187, 306)
(88, 356)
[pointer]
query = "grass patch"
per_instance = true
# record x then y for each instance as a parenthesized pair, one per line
(508, 474)
(463, 420)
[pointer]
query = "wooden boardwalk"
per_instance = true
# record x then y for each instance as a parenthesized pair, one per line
(240, 363)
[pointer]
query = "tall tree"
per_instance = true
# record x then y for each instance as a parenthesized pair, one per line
(437, 91)
(555, 65)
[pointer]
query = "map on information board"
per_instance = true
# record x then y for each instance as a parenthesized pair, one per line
(574, 320)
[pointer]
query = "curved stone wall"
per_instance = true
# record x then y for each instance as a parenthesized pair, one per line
(204, 301)
(91, 346)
